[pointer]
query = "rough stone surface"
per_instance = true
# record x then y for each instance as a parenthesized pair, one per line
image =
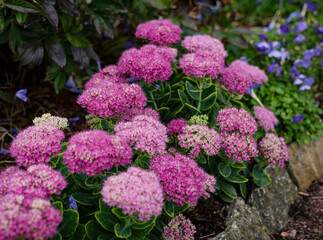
(306, 163)
(242, 224)
(272, 202)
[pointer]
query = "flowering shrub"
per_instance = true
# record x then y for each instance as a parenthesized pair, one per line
(130, 175)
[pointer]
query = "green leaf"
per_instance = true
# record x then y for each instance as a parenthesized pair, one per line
(260, 177)
(93, 230)
(209, 102)
(108, 235)
(118, 212)
(67, 21)
(104, 207)
(77, 40)
(70, 222)
(84, 198)
(201, 159)
(122, 230)
(183, 97)
(228, 189)
(169, 208)
(58, 205)
(21, 6)
(238, 165)
(136, 224)
(212, 165)
(1, 23)
(224, 169)
(14, 36)
(21, 17)
(107, 220)
(225, 197)
(60, 81)
(192, 107)
(236, 178)
(192, 91)
(243, 189)
(80, 180)
(56, 237)
(80, 233)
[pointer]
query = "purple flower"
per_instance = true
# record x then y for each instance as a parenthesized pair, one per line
(131, 80)
(71, 85)
(298, 62)
(308, 54)
(297, 118)
(284, 29)
(270, 27)
(4, 151)
(99, 65)
(311, 7)
(299, 38)
(199, 17)
(262, 47)
(275, 45)
(299, 80)
(307, 82)
(280, 55)
(244, 59)
(319, 30)
(294, 72)
(275, 68)
(295, 14)
(130, 43)
(263, 37)
(21, 94)
(317, 50)
(301, 27)
(72, 204)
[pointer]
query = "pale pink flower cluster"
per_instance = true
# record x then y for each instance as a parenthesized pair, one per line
(181, 178)
(266, 118)
(162, 32)
(108, 75)
(36, 144)
(205, 43)
(255, 73)
(112, 101)
(176, 126)
(134, 191)
(94, 151)
(150, 63)
(47, 119)
(27, 217)
(240, 147)
(233, 119)
(199, 137)
(38, 181)
(144, 133)
(274, 149)
(133, 112)
(179, 228)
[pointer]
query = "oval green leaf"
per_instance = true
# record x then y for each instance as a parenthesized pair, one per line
(224, 169)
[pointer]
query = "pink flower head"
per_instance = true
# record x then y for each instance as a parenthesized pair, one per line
(105, 78)
(176, 126)
(112, 101)
(55, 121)
(26, 217)
(200, 137)
(36, 144)
(179, 228)
(144, 133)
(204, 42)
(182, 179)
(134, 191)
(201, 63)
(167, 52)
(255, 73)
(266, 118)
(94, 151)
(240, 147)
(162, 32)
(274, 149)
(232, 119)
(133, 112)
(150, 63)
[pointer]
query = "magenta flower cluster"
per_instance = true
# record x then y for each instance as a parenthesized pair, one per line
(181, 178)
(134, 191)
(176, 126)
(162, 32)
(179, 228)
(133, 112)
(150, 63)
(112, 101)
(27, 217)
(144, 133)
(274, 149)
(36, 144)
(94, 151)
(233, 119)
(108, 75)
(197, 137)
(267, 118)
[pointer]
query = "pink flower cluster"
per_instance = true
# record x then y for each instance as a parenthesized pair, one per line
(112, 101)
(134, 191)
(144, 133)
(150, 63)
(240, 147)
(182, 179)
(133, 112)
(179, 228)
(232, 119)
(162, 32)
(36, 144)
(108, 75)
(27, 217)
(274, 149)
(205, 43)
(176, 126)
(48, 119)
(200, 137)
(93, 151)
(39, 181)
(266, 118)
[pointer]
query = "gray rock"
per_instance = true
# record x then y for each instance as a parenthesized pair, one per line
(306, 163)
(242, 224)
(272, 202)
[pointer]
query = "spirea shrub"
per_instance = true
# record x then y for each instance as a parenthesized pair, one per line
(167, 129)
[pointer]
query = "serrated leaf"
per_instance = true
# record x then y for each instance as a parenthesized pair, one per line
(228, 189)
(69, 224)
(80, 57)
(56, 52)
(224, 169)
(52, 15)
(31, 52)
(21, 6)
(107, 220)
